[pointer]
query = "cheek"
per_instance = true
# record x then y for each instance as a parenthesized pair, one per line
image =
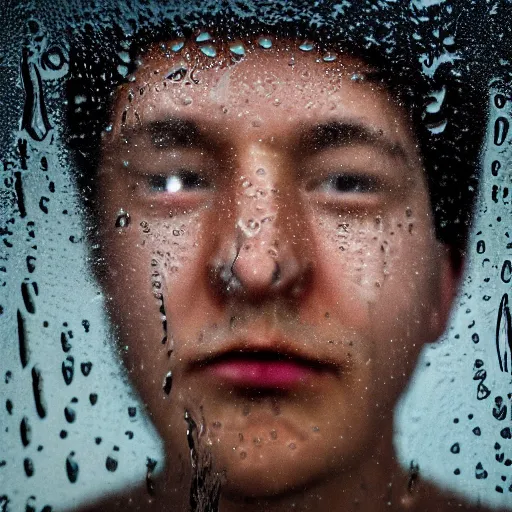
(376, 276)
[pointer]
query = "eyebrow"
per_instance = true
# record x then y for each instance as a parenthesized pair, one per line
(335, 134)
(169, 133)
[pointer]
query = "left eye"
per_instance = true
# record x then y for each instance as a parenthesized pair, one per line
(183, 181)
(349, 183)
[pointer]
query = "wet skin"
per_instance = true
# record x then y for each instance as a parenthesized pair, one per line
(280, 209)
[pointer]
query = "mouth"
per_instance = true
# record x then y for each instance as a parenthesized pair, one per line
(263, 369)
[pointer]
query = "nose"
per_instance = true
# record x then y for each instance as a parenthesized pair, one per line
(264, 251)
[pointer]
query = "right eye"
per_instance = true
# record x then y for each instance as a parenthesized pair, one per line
(181, 181)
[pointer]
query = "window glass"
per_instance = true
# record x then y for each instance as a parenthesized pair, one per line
(255, 255)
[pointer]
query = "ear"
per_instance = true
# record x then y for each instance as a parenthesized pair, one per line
(451, 270)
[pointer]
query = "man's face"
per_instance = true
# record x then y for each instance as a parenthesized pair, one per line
(278, 204)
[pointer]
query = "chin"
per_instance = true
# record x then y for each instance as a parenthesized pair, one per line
(277, 468)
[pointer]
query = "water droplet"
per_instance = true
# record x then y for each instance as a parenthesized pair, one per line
(329, 57)
(209, 50)
(203, 36)
(265, 42)
(37, 388)
(111, 464)
(123, 219)
(455, 448)
(122, 70)
(357, 77)
(86, 368)
(28, 466)
(150, 467)
(480, 472)
(25, 432)
(177, 73)
(237, 49)
(250, 228)
(35, 118)
(480, 247)
(176, 45)
(501, 126)
(69, 414)
(167, 383)
(506, 271)
(500, 100)
(68, 369)
(53, 58)
(72, 468)
(93, 398)
(307, 46)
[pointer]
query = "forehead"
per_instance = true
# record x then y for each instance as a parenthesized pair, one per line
(280, 87)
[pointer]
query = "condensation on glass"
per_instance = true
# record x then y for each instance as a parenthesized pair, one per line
(250, 274)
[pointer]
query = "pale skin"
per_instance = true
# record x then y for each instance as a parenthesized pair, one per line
(274, 157)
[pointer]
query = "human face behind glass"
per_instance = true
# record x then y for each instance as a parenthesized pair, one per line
(280, 208)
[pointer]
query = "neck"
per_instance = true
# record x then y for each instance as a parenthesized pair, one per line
(372, 486)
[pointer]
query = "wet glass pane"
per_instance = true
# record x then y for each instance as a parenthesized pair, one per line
(255, 256)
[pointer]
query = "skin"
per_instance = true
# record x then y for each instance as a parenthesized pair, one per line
(363, 282)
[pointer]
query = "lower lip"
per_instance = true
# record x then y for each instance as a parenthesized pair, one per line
(261, 374)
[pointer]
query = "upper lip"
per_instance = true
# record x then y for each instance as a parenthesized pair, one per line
(275, 348)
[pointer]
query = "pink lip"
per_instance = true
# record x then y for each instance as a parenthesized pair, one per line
(253, 373)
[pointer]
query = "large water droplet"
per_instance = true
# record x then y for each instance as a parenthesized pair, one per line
(506, 271)
(501, 126)
(111, 464)
(72, 468)
(237, 49)
(123, 219)
(68, 369)
(167, 383)
(209, 50)
(203, 36)
(265, 42)
(35, 118)
(177, 45)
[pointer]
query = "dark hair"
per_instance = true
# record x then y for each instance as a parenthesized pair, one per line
(428, 66)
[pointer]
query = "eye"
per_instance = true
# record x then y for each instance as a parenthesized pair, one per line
(182, 181)
(348, 183)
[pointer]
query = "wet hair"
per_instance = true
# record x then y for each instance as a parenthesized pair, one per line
(432, 73)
